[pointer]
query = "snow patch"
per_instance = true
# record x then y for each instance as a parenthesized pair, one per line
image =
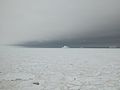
(18, 76)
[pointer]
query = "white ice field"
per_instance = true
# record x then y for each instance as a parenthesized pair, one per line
(59, 69)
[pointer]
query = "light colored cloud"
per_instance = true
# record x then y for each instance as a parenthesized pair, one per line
(24, 20)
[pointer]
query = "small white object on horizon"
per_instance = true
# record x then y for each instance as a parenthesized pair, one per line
(65, 47)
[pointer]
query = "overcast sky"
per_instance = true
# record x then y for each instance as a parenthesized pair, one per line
(47, 20)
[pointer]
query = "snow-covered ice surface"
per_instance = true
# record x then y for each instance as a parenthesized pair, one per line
(59, 69)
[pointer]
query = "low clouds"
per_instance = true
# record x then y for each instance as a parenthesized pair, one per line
(54, 20)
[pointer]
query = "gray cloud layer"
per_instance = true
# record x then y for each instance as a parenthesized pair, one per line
(58, 20)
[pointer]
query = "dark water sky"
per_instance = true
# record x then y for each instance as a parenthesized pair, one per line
(54, 23)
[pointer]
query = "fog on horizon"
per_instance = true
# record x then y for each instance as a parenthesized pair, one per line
(24, 21)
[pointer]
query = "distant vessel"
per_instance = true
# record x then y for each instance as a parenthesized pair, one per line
(65, 47)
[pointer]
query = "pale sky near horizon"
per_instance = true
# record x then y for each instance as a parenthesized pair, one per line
(42, 20)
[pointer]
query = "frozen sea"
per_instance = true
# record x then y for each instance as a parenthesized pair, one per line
(59, 68)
